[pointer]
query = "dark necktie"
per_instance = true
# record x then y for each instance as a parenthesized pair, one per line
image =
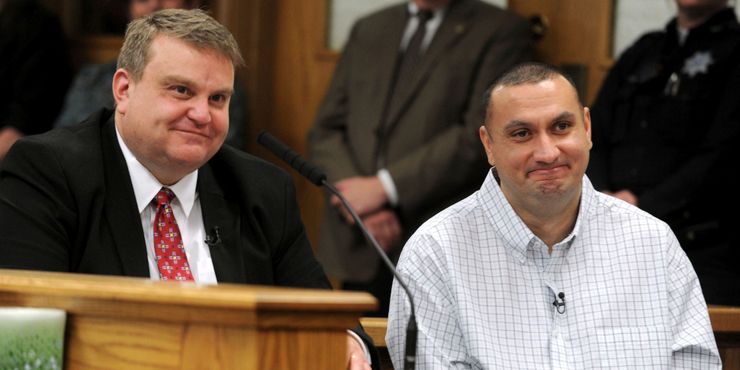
(168, 249)
(412, 54)
(406, 68)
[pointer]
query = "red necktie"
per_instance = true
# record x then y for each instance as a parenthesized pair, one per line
(171, 259)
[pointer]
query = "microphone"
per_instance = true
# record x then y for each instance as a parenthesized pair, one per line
(214, 237)
(318, 178)
(559, 303)
(282, 151)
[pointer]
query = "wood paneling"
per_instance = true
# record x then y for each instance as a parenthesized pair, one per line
(135, 323)
(579, 32)
(287, 72)
(302, 71)
(252, 22)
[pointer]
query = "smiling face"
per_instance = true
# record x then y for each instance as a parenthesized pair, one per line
(538, 136)
(175, 117)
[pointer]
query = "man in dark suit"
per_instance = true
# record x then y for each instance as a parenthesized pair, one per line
(148, 189)
(397, 131)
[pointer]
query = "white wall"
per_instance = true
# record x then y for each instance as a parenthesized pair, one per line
(633, 18)
(344, 13)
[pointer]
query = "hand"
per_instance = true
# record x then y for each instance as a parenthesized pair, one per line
(8, 136)
(624, 195)
(385, 226)
(356, 355)
(365, 194)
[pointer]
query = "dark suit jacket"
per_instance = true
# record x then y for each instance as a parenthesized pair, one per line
(430, 139)
(67, 204)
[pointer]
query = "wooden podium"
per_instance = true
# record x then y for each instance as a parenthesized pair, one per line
(134, 323)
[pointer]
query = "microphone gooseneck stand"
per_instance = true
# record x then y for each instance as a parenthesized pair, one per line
(318, 178)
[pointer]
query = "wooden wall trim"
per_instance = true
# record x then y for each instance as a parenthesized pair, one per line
(580, 32)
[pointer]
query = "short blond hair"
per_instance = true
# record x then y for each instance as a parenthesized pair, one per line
(194, 27)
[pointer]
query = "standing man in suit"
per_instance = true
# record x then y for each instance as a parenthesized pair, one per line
(148, 189)
(397, 131)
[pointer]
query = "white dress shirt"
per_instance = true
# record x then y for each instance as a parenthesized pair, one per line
(185, 207)
(189, 216)
(484, 287)
(432, 26)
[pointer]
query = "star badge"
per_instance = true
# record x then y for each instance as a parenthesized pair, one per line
(697, 63)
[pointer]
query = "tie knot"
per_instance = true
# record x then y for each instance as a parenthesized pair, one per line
(164, 196)
(424, 16)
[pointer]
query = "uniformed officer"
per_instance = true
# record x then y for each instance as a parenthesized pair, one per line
(664, 124)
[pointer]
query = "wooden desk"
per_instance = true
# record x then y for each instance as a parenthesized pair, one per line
(725, 323)
(134, 323)
(726, 326)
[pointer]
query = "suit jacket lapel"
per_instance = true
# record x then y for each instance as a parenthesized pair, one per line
(121, 212)
(218, 213)
(391, 34)
(454, 25)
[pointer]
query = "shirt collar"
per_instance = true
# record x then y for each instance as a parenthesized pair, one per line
(510, 227)
(146, 186)
(438, 13)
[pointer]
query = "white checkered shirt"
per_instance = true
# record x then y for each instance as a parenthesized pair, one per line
(484, 288)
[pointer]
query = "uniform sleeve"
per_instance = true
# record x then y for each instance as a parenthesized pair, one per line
(440, 341)
(602, 117)
(694, 346)
(717, 146)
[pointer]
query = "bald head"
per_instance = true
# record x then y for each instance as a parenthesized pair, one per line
(524, 74)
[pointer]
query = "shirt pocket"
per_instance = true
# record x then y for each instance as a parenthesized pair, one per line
(632, 347)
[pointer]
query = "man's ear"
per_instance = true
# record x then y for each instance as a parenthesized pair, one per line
(487, 144)
(121, 89)
(587, 123)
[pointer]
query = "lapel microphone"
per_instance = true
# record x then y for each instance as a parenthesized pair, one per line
(213, 238)
(559, 303)
(317, 177)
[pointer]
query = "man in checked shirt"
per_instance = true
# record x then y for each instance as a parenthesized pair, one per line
(537, 270)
